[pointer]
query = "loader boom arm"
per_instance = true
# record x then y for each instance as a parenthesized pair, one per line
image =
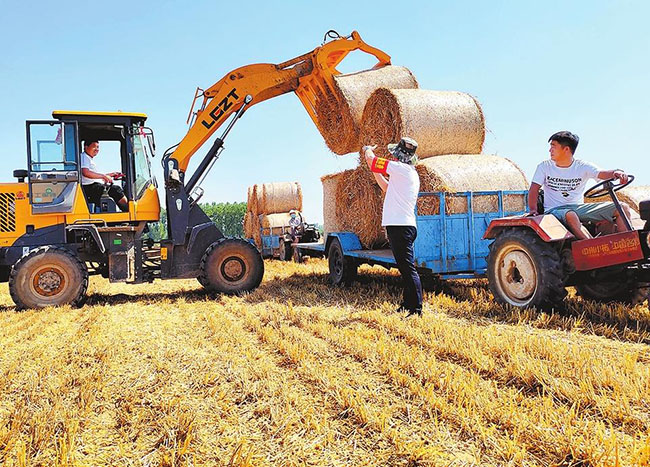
(308, 75)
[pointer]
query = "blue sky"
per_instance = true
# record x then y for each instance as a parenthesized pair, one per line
(536, 68)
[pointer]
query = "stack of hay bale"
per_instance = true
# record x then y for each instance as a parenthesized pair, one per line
(268, 207)
(449, 127)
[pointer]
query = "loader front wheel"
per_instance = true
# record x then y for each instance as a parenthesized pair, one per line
(231, 266)
(525, 271)
(48, 276)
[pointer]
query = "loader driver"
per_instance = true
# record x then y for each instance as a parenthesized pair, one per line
(564, 178)
(89, 176)
(398, 215)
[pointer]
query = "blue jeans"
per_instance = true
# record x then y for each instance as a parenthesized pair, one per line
(401, 238)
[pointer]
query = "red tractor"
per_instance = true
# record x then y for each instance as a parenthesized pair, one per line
(533, 258)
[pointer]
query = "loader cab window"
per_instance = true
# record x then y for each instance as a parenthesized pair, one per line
(52, 165)
(52, 147)
(142, 153)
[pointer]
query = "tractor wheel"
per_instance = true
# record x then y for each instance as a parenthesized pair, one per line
(342, 270)
(524, 271)
(231, 266)
(624, 292)
(48, 276)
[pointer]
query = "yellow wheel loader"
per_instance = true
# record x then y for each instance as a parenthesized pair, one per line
(52, 238)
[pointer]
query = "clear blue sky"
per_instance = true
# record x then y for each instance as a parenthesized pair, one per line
(536, 67)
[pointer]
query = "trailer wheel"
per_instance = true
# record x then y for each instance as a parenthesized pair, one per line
(297, 255)
(524, 271)
(48, 276)
(342, 270)
(624, 292)
(285, 251)
(231, 266)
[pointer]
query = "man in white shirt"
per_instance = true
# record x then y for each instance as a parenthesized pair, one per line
(89, 176)
(398, 215)
(564, 180)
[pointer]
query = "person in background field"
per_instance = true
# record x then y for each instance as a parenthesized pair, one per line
(564, 178)
(398, 215)
(89, 176)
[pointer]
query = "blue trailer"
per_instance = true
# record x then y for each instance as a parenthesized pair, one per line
(448, 245)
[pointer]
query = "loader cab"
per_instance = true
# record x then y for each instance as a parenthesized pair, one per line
(54, 165)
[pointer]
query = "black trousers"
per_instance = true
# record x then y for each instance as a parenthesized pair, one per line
(94, 192)
(401, 238)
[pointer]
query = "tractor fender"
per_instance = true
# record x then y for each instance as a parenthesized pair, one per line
(546, 226)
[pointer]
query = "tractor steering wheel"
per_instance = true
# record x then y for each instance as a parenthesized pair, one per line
(602, 188)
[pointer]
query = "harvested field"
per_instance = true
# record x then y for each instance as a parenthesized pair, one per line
(339, 116)
(298, 373)
(442, 122)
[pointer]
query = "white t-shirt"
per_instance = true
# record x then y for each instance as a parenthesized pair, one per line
(402, 192)
(564, 185)
(88, 162)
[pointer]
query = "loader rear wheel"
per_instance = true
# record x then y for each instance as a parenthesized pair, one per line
(606, 292)
(48, 276)
(343, 271)
(231, 266)
(524, 271)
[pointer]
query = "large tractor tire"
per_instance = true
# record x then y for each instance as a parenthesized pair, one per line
(48, 276)
(343, 271)
(623, 292)
(231, 266)
(524, 271)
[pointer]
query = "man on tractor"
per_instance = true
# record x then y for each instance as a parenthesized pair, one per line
(563, 179)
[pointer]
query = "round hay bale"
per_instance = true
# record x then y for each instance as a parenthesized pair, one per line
(330, 183)
(359, 203)
(251, 203)
(256, 234)
(274, 224)
(470, 172)
(442, 122)
(632, 195)
(340, 126)
(248, 225)
(279, 197)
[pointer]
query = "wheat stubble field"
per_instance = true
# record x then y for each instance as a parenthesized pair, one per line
(299, 373)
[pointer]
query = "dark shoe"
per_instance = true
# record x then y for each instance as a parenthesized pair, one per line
(413, 312)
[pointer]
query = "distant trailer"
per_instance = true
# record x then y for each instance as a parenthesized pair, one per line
(450, 246)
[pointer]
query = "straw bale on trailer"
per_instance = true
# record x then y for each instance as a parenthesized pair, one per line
(358, 200)
(278, 197)
(274, 224)
(331, 222)
(470, 172)
(632, 195)
(442, 122)
(340, 125)
(268, 206)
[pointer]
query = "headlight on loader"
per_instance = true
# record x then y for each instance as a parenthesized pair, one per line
(647, 239)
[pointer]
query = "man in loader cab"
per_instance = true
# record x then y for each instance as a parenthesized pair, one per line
(398, 214)
(564, 178)
(89, 176)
